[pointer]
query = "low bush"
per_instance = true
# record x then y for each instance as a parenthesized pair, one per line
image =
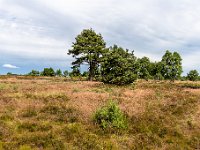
(110, 116)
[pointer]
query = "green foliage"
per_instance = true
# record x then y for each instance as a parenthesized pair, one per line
(110, 116)
(66, 73)
(48, 72)
(34, 73)
(88, 48)
(42, 140)
(58, 73)
(117, 66)
(75, 72)
(193, 75)
(144, 68)
(9, 73)
(183, 78)
(85, 74)
(172, 65)
(30, 112)
(191, 85)
(158, 76)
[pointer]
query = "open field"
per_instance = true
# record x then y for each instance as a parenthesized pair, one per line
(56, 113)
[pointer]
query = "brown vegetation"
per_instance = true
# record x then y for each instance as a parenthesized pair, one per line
(56, 113)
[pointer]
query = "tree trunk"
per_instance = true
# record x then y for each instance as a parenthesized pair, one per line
(91, 70)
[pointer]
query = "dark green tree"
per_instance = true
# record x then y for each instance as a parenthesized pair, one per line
(117, 66)
(85, 74)
(88, 49)
(75, 72)
(155, 70)
(34, 73)
(59, 73)
(172, 65)
(9, 73)
(66, 73)
(48, 72)
(193, 75)
(144, 68)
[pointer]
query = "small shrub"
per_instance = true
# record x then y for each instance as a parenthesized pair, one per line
(110, 116)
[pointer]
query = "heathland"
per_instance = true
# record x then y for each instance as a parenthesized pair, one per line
(58, 113)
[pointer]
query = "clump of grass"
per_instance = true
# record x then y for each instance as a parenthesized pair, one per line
(5, 131)
(61, 113)
(59, 97)
(29, 112)
(15, 87)
(3, 86)
(6, 117)
(56, 97)
(182, 105)
(89, 141)
(191, 85)
(110, 116)
(33, 127)
(41, 140)
(155, 130)
(51, 109)
(72, 131)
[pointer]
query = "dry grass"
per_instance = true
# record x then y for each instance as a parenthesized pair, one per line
(56, 113)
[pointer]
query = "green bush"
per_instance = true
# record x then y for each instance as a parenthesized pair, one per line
(193, 75)
(158, 76)
(110, 116)
(117, 66)
(48, 72)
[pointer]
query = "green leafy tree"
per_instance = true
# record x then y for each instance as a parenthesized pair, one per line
(75, 72)
(34, 73)
(66, 73)
(172, 65)
(144, 68)
(193, 75)
(158, 76)
(155, 70)
(85, 74)
(117, 66)
(59, 73)
(88, 49)
(48, 72)
(9, 73)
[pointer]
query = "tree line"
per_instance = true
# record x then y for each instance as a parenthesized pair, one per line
(116, 65)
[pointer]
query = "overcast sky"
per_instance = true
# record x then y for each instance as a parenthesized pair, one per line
(37, 33)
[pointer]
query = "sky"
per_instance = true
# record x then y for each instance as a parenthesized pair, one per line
(35, 34)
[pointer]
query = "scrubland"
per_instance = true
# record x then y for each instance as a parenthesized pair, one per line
(57, 113)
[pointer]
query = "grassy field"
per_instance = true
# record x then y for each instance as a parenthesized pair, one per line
(56, 113)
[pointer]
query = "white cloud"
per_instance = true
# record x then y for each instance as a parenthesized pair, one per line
(43, 30)
(10, 66)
